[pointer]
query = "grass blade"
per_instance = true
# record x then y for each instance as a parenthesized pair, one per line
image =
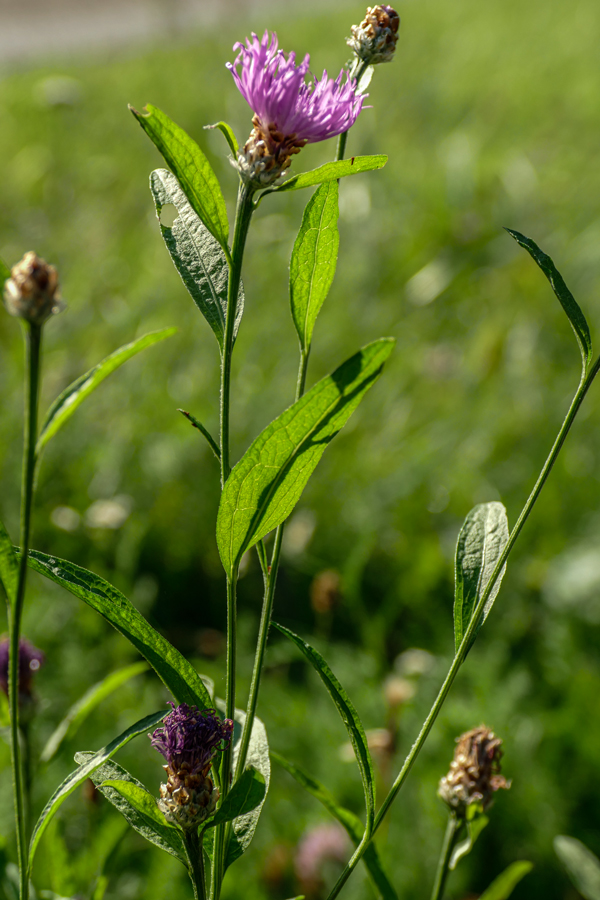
(581, 864)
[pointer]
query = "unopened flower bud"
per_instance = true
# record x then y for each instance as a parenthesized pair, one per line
(474, 774)
(32, 291)
(374, 40)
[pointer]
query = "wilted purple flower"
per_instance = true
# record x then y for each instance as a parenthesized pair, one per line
(289, 113)
(30, 660)
(189, 739)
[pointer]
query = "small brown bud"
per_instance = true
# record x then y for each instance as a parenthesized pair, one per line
(474, 774)
(32, 291)
(374, 40)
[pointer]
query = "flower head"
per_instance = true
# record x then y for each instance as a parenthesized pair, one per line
(189, 739)
(374, 40)
(30, 660)
(32, 291)
(474, 774)
(288, 112)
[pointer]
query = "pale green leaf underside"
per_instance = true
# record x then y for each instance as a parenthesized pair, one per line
(191, 167)
(73, 396)
(349, 717)
(80, 710)
(481, 541)
(581, 864)
(197, 256)
(314, 258)
(9, 567)
(172, 668)
(266, 484)
(331, 171)
(258, 757)
(84, 771)
(503, 886)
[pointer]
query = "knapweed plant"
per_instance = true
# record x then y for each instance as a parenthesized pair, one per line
(215, 750)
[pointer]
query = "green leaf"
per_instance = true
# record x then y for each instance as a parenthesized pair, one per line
(86, 704)
(314, 258)
(245, 795)
(229, 136)
(66, 403)
(197, 256)
(191, 168)
(4, 272)
(331, 171)
(244, 825)
(565, 297)
(481, 541)
(84, 771)
(349, 716)
(581, 864)
(503, 886)
(267, 482)
(474, 828)
(9, 567)
(203, 431)
(110, 779)
(351, 823)
(171, 667)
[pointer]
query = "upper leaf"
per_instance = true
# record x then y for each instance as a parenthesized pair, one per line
(481, 541)
(191, 167)
(349, 716)
(172, 668)
(581, 864)
(503, 886)
(9, 567)
(66, 403)
(314, 258)
(331, 171)
(266, 484)
(197, 256)
(566, 298)
(244, 825)
(84, 771)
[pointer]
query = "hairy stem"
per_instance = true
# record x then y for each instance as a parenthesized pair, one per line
(193, 847)
(452, 830)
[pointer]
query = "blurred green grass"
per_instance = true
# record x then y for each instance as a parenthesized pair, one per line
(490, 118)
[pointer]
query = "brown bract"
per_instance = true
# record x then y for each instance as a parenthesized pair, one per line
(374, 40)
(32, 291)
(266, 154)
(187, 799)
(474, 774)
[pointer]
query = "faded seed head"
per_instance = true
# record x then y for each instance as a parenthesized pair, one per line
(32, 291)
(374, 40)
(474, 774)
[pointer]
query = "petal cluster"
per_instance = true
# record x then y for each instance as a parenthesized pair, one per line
(275, 89)
(189, 738)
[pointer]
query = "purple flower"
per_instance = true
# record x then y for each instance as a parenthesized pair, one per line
(30, 660)
(189, 739)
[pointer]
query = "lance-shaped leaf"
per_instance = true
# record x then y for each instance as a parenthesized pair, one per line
(9, 567)
(66, 403)
(172, 668)
(481, 541)
(4, 272)
(80, 710)
(565, 297)
(331, 171)
(349, 717)
(503, 886)
(581, 864)
(197, 256)
(192, 169)
(314, 258)
(230, 137)
(245, 795)
(266, 484)
(140, 815)
(244, 826)
(348, 819)
(84, 771)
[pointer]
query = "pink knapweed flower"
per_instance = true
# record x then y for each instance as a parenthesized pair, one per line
(288, 111)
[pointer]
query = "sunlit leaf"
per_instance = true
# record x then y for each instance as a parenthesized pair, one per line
(229, 136)
(331, 171)
(503, 886)
(474, 828)
(581, 864)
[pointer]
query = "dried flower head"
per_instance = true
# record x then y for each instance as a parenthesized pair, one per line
(288, 112)
(474, 774)
(189, 739)
(32, 291)
(374, 40)
(30, 660)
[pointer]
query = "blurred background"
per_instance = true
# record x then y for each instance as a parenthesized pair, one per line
(489, 115)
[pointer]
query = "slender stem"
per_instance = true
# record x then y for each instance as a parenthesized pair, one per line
(341, 146)
(584, 385)
(452, 830)
(33, 343)
(193, 847)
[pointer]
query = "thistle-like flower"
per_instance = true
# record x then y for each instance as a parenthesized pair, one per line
(374, 40)
(474, 774)
(189, 739)
(32, 291)
(288, 112)
(30, 660)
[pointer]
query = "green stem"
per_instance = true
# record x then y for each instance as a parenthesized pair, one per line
(341, 146)
(193, 847)
(452, 830)
(584, 385)
(33, 343)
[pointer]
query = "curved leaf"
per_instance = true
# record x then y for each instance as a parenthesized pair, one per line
(171, 667)
(503, 886)
(244, 826)
(349, 716)
(9, 567)
(191, 168)
(267, 482)
(84, 771)
(480, 544)
(66, 403)
(230, 137)
(581, 864)
(245, 795)
(331, 171)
